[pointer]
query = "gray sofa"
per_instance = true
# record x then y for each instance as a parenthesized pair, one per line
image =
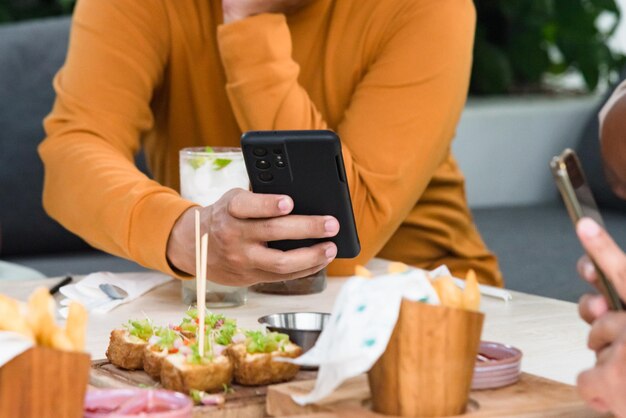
(536, 244)
(31, 54)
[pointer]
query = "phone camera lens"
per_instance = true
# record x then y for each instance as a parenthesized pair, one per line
(262, 164)
(278, 151)
(280, 164)
(259, 152)
(265, 176)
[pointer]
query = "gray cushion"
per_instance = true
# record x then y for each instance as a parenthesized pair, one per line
(31, 54)
(538, 248)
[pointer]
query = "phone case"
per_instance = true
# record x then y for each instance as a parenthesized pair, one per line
(308, 167)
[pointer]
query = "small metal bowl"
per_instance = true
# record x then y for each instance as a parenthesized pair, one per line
(303, 328)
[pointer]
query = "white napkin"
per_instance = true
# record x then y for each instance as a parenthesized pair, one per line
(96, 301)
(12, 345)
(361, 324)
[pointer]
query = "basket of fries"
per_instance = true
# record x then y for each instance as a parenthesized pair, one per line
(49, 376)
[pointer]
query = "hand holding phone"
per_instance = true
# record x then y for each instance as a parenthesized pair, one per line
(308, 167)
(572, 184)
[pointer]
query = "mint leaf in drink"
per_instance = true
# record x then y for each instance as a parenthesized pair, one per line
(208, 149)
(197, 162)
(220, 163)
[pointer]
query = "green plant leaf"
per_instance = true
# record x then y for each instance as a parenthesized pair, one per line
(491, 73)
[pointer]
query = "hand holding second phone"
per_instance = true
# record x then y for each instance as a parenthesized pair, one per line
(239, 225)
(240, 9)
(604, 386)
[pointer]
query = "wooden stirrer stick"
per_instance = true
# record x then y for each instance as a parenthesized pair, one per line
(202, 294)
(197, 249)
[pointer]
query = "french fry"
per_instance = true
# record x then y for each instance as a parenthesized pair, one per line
(11, 318)
(361, 271)
(59, 340)
(471, 294)
(397, 267)
(41, 316)
(449, 294)
(76, 325)
(35, 321)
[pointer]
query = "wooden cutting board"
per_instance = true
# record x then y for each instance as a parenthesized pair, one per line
(531, 397)
(244, 402)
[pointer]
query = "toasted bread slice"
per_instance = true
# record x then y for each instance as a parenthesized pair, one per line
(152, 361)
(125, 351)
(260, 368)
(178, 375)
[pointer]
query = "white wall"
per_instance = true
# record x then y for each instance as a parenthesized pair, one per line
(504, 145)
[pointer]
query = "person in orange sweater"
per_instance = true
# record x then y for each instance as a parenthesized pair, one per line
(390, 77)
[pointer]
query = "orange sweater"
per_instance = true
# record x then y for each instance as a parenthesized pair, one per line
(389, 76)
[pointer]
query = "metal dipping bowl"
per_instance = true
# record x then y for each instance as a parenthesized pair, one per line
(303, 328)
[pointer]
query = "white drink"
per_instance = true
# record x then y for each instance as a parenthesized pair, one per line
(207, 173)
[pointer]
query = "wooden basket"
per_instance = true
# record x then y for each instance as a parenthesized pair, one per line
(44, 383)
(427, 367)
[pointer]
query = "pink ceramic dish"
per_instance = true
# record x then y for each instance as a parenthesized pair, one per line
(144, 403)
(502, 368)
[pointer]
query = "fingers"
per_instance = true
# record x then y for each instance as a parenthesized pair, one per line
(243, 204)
(589, 385)
(295, 275)
(592, 307)
(289, 263)
(293, 227)
(587, 270)
(606, 329)
(603, 250)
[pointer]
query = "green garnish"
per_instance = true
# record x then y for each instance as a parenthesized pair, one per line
(225, 333)
(196, 395)
(195, 358)
(142, 328)
(260, 342)
(188, 326)
(220, 163)
(167, 338)
(227, 389)
(197, 162)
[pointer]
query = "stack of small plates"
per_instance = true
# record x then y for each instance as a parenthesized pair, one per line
(497, 365)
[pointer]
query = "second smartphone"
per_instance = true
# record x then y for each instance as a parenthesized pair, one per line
(308, 167)
(572, 183)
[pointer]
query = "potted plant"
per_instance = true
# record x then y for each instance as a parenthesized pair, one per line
(523, 105)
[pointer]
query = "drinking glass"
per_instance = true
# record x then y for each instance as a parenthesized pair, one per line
(206, 173)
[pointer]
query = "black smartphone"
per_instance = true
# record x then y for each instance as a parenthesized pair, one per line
(572, 183)
(308, 167)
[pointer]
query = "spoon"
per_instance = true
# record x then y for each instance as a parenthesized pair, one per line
(112, 291)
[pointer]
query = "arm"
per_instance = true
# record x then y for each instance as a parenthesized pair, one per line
(410, 100)
(118, 49)
(117, 53)
(613, 140)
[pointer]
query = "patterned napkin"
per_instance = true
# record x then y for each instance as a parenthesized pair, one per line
(359, 329)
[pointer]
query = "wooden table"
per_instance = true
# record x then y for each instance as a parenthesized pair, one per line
(548, 331)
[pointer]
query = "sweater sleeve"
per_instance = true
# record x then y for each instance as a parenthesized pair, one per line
(401, 119)
(92, 186)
